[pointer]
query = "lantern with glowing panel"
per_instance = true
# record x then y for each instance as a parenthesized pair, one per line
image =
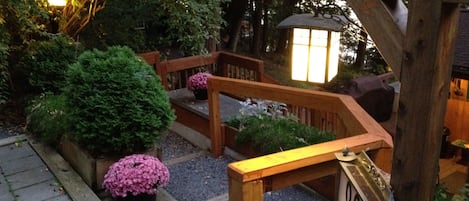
(314, 44)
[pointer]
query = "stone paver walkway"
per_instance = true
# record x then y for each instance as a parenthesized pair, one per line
(24, 176)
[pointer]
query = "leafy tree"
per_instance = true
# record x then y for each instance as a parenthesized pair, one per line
(155, 24)
(21, 22)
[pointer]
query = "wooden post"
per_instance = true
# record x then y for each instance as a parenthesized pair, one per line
(247, 191)
(215, 122)
(425, 75)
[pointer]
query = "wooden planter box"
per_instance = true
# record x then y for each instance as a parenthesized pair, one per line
(92, 170)
(230, 141)
(324, 186)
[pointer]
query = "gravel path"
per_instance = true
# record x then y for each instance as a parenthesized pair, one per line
(197, 176)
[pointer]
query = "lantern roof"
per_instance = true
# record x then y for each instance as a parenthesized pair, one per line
(312, 21)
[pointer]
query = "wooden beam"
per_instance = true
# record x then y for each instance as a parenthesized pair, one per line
(385, 22)
(425, 76)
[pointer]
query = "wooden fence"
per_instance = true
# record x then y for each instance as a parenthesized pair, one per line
(175, 72)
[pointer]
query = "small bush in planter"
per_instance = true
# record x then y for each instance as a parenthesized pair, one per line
(135, 175)
(269, 128)
(116, 103)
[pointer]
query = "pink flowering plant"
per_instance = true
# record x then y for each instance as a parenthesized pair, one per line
(198, 81)
(135, 174)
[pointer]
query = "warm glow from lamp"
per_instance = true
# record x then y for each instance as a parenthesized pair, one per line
(58, 3)
(310, 52)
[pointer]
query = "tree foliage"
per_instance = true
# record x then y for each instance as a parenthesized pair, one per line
(21, 22)
(155, 24)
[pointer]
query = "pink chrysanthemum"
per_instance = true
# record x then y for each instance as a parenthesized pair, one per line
(135, 174)
(198, 81)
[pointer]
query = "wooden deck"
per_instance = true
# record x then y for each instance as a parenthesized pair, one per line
(185, 99)
(452, 174)
(242, 77)
(195, 113)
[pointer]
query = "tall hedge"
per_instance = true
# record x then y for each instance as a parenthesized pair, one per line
(115, 102)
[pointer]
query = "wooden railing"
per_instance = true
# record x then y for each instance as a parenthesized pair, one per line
(249, 179)
(175, 72)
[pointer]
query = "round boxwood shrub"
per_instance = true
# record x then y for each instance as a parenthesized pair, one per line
(115, 101)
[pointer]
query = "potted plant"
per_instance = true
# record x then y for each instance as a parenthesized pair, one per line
(116, 106)
(136, 177)
(263, 119)
(197, 83)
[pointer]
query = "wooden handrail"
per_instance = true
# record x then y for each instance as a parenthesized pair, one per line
(272, 164)
(152, 58)
(247, 178)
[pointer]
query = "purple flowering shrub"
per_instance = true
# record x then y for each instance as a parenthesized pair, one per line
(198, 81)
(135, 174)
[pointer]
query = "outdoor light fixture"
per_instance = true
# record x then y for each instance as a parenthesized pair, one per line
(57, 3)
(314, 44)
(55, 11)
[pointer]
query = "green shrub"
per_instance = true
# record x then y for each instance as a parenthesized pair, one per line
(46, 117)
(116, 103)
(269, 128)
(47, 61)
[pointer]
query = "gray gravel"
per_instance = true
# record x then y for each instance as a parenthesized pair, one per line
(174, 146)
(199, 179)
(292, 194)
(205, 177)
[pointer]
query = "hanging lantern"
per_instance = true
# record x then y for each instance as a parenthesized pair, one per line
(314, 44)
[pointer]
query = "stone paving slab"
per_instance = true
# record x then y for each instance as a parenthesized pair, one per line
(29, 177)
(21, 164)
(42, 191)
(5, 194)
(59, 198)
(24, 176)
(13, 152)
